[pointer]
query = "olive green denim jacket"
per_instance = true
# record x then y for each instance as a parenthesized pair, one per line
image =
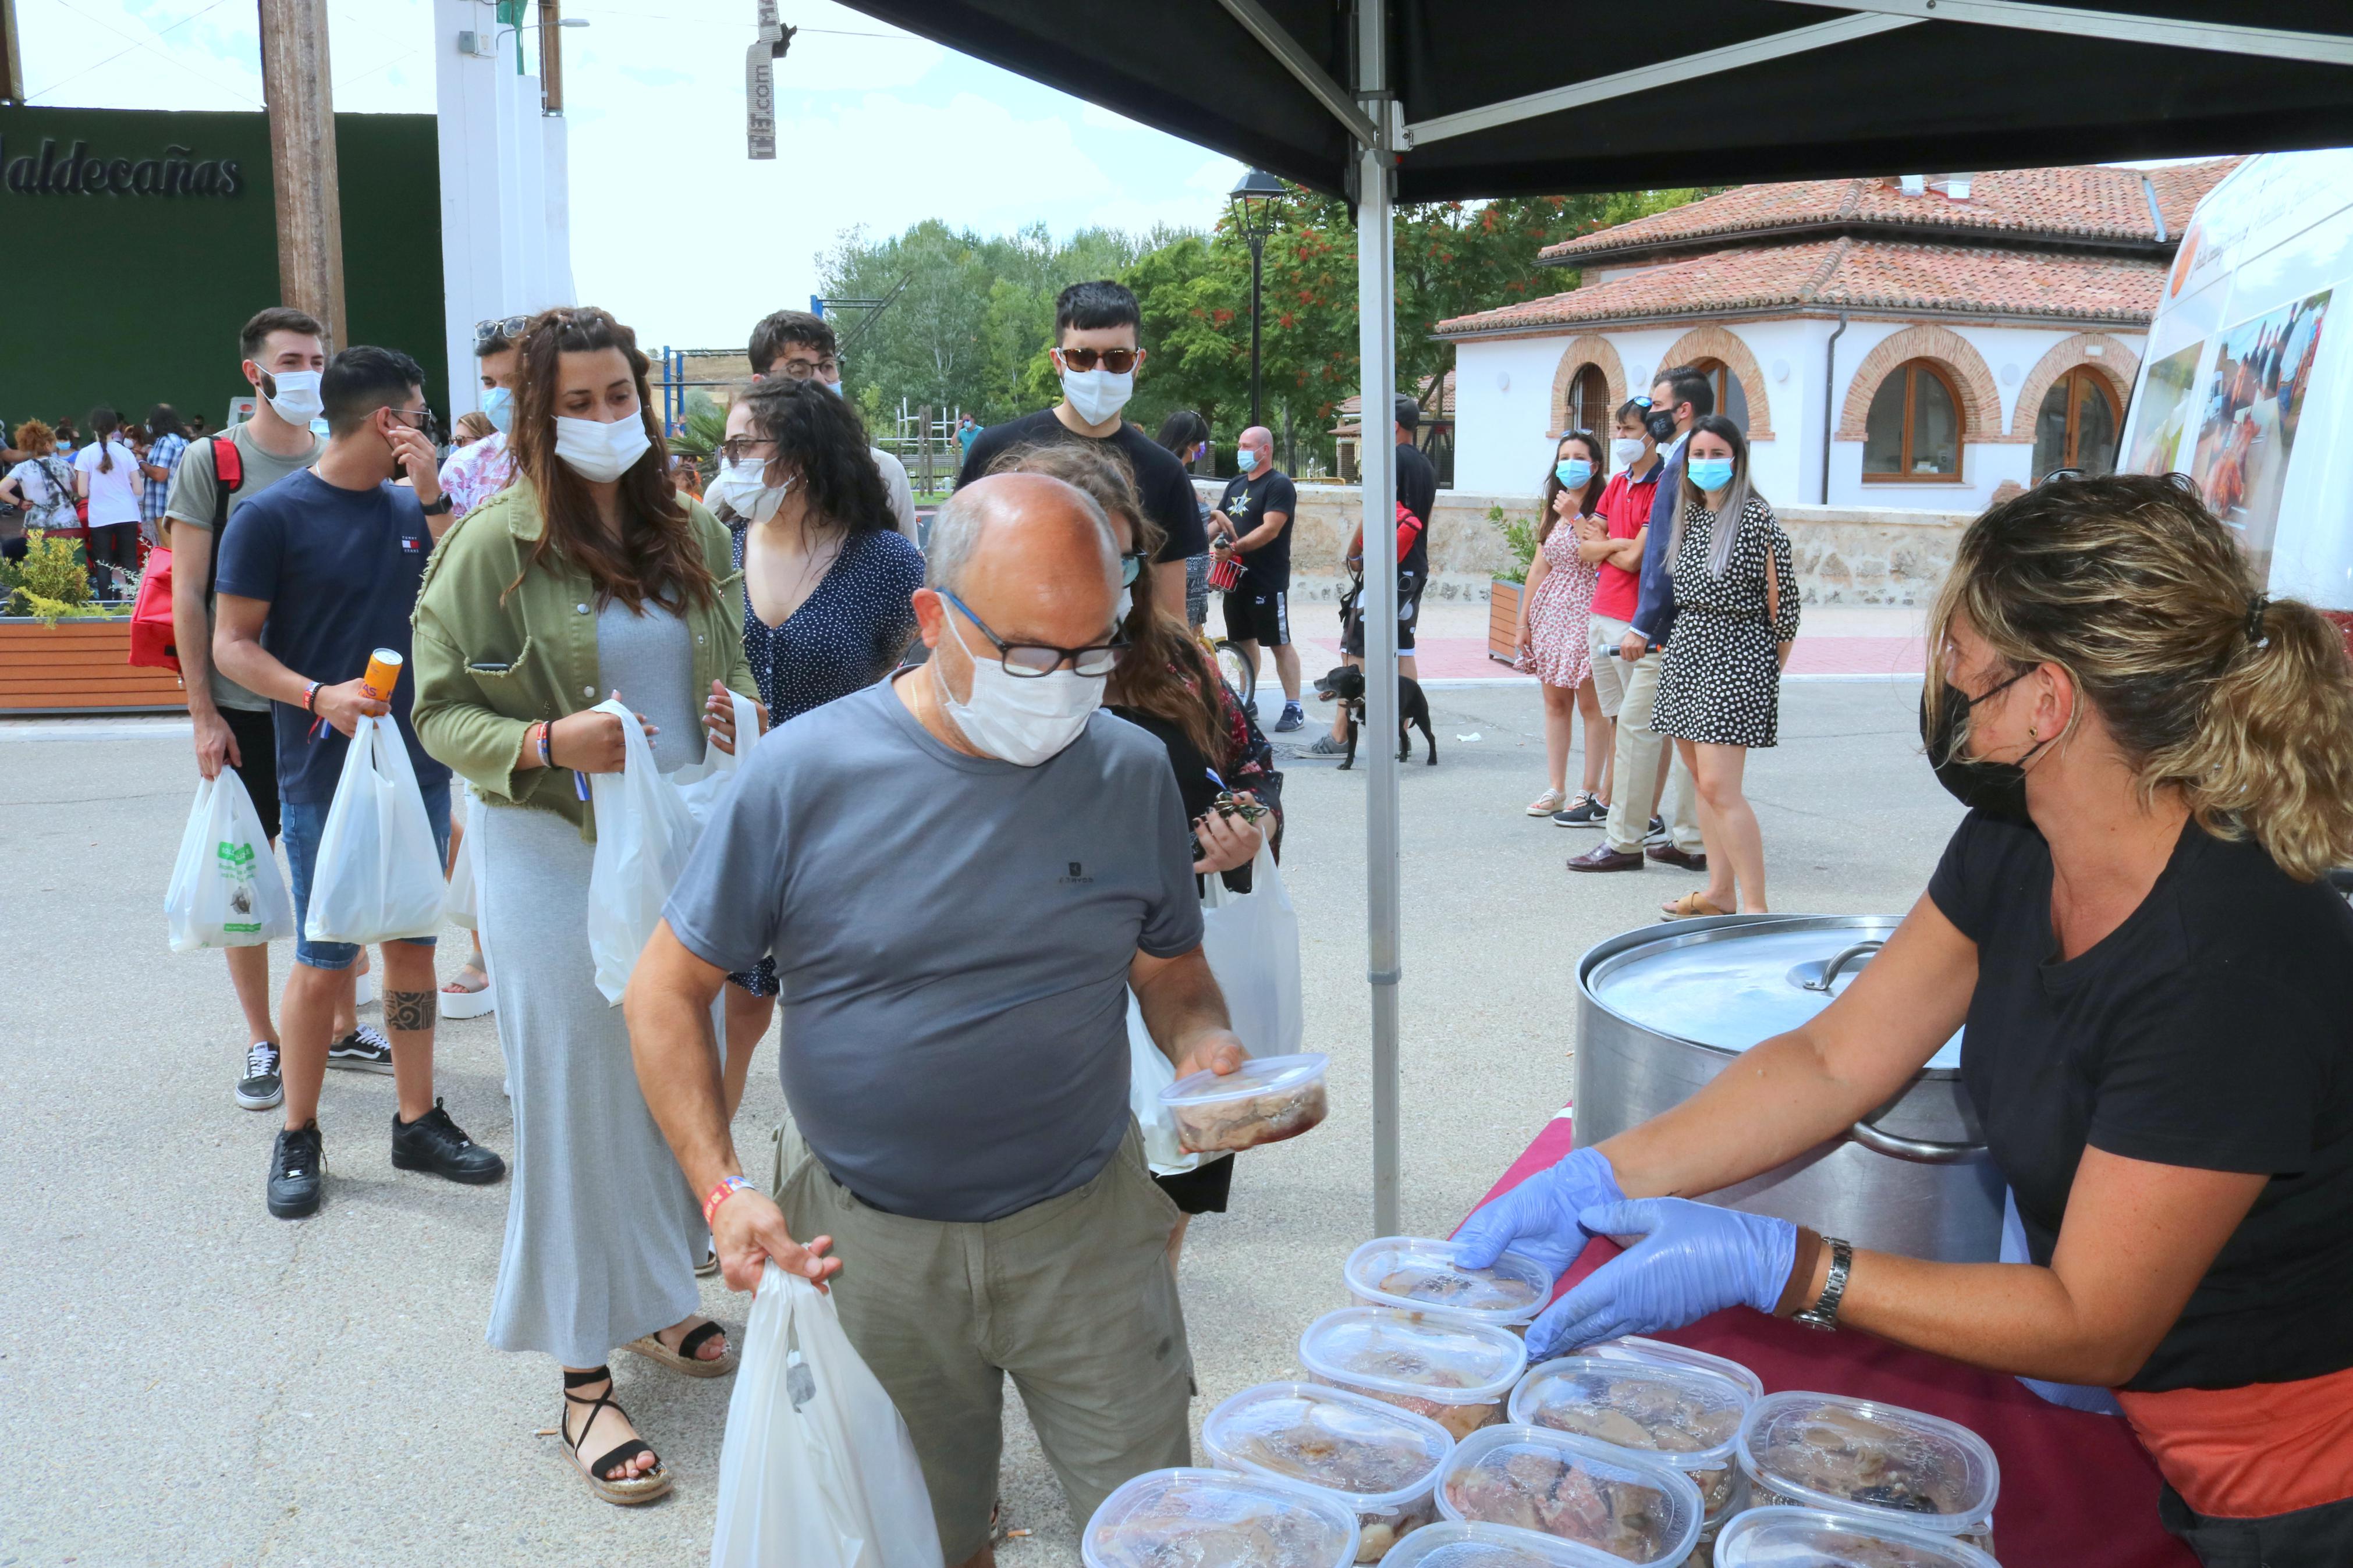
(487, 671)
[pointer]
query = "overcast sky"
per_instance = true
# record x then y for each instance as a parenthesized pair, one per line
(874, 128)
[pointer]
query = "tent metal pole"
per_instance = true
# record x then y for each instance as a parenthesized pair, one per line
(2169, 32)
(1375, 331)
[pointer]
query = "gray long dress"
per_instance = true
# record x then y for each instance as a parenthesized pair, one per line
(602, 1233)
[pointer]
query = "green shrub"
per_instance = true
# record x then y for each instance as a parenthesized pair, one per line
(50, 582)
(1520, 533)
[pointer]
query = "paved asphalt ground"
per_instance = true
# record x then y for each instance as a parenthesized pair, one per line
(185, 1379)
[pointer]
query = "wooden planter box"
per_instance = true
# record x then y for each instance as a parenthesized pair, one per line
(78, 666)
(1503, 621)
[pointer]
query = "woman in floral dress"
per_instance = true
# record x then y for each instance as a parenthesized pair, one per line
(1555, 606)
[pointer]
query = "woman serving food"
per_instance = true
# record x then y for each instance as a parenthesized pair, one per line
(2155, 982)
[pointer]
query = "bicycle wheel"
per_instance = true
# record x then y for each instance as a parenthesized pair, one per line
(1237, 672)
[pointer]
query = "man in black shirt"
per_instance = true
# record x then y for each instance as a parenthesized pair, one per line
(1254, 523)
(1417, 491)
(1095, 332)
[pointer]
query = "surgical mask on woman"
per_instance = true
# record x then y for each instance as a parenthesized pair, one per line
(498, 407)
(294, 395)
(1574, 473)
(601, 452)
(1023, 720)
(743, 487)
(1625, 451)
(1710, 474)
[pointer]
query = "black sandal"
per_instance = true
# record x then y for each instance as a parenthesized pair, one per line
(627, 1493)
(683, 1359)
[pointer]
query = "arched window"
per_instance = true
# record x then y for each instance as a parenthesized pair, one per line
(1589, 401)
(1730, 400)
(1913, 433)
(2077, 426)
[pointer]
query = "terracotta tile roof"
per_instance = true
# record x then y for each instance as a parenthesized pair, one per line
(1349, 406)
(1849, 274)
(2083, 203)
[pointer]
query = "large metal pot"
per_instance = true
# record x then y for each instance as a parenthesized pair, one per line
(1663, 1009)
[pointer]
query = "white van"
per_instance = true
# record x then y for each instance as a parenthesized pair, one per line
(2246, 381)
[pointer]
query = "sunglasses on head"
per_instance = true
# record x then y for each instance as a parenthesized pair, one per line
(1119, 361)
(508, 327)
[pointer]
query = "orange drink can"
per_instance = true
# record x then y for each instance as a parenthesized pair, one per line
(382, 673)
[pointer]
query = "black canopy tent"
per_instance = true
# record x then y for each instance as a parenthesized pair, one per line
(1435, 100)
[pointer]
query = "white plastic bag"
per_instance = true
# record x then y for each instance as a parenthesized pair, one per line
(817, 1470)
(379, 873)
(226, 889)
(459, 906)
(1149, 1071)
(647, 824)
(1251, 940)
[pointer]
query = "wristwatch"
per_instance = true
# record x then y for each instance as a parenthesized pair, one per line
(439, 505)
(1824, 1313)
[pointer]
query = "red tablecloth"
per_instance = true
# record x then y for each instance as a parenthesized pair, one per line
(2077, 1491)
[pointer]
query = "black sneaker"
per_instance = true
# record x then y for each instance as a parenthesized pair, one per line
(260, 1089)
(364, 1049)
(298, 1172)
(434, 1143)
(1656, 833)
(1293, 717)
(1587, 813)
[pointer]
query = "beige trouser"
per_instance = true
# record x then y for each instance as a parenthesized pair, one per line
(1073, 1297)
(1626, 696)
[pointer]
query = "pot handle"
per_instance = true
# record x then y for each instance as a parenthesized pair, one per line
(1916, 1150)
(1838, 961)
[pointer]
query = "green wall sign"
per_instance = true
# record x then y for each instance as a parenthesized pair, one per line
(74, 171)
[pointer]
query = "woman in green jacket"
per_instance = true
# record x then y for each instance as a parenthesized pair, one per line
(587, 576)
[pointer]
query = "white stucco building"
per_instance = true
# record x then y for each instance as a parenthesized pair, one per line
(1895, 343)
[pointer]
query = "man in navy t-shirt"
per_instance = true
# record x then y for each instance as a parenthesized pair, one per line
(320, 572)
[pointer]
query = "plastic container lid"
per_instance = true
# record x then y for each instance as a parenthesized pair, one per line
(1876, 1461)
(1259, 1075)
(1809, 1538)
(1416, 1274)
(1166, 1516)
(1690, 1416)
(1444, 1361)
(1635, 1507)
(1452, 1543)
(1375, 1454)
(1633, 1347)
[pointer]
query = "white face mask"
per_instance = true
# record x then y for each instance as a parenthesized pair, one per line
(744, 486)
(297, 399)
(1098, 395)
(1024, 721)
(1625, 451)
(1126, 603)
(598, 451)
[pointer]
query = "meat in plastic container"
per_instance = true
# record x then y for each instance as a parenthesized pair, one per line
(1872, 1461)
(1217, 1516)
(1457, 1375)
(1634, 1347)
(1266, 1101)
(1628, 1505)
(1452, 1543)
(1686, 1415)
(1381, 1461)
(1781, 1537)
(1415, 1274)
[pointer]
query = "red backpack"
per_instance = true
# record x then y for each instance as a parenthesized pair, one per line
(151, 645)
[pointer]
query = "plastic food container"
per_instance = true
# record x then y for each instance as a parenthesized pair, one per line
(1451, 1543)
(1414, 1274)
(1687, 1416)
(1216, 1516)
(1628, 1505)
(1269, 1099)
(1633, 1347)
(1381, 1461)
(1809, 1538)
(1458, 1375)
(1870, 1461)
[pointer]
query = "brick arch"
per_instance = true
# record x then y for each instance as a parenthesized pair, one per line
(1721, 343)
(2116, 363)
(1980, 403)
(1589, 349)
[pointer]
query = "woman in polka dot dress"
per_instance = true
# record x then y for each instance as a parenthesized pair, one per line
(1555, 606)
(1720, 677)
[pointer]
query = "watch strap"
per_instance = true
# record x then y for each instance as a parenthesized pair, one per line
(1824, 1313)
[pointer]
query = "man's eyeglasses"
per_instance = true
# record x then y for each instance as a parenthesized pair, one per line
(802, 369)
(1119, 361)
(741, 448)
(421, 420)
(1030, 660)
(508, 327)
(1640, 402)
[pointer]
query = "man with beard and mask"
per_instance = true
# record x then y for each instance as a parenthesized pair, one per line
(960, 873)
(314, 577)
(1097, 328)
(799, 346)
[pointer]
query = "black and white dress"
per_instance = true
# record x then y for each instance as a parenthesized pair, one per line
(1719, 679)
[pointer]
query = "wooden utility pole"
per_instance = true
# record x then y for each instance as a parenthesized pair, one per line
(296, 86)
(11, 61)
(551, 58)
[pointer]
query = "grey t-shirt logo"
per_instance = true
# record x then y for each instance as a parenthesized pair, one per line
(1078, 874)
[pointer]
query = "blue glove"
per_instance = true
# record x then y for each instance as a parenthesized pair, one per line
(1692, 1259)
(1537, 1219)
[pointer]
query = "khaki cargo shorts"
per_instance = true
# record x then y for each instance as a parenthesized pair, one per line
(1073, 1298)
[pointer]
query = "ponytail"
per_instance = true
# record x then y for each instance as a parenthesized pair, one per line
(103, 423)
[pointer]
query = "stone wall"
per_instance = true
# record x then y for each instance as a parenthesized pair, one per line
(1844, 555)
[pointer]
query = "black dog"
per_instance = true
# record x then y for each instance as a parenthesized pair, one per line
(1346, 684)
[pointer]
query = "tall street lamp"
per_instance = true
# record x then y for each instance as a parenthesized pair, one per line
(1254, 200)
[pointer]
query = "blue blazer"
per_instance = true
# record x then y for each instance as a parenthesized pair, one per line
(1654, 610)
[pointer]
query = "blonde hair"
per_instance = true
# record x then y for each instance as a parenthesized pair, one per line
(2242, 703)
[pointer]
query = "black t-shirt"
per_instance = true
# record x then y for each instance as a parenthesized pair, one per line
(1417, 491)
(1160, 478)
(1247, 501)
(2209, 1030)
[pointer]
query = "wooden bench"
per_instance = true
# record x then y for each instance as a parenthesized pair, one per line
(80, 667)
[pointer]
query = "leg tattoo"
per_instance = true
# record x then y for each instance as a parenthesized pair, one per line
(409, 1010)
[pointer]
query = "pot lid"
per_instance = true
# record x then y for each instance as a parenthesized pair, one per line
(1739, 980)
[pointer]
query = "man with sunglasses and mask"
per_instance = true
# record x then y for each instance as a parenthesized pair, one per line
(476, 472)
(316, 576)
(799, 346)
(1096, 331)
(961, 872)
